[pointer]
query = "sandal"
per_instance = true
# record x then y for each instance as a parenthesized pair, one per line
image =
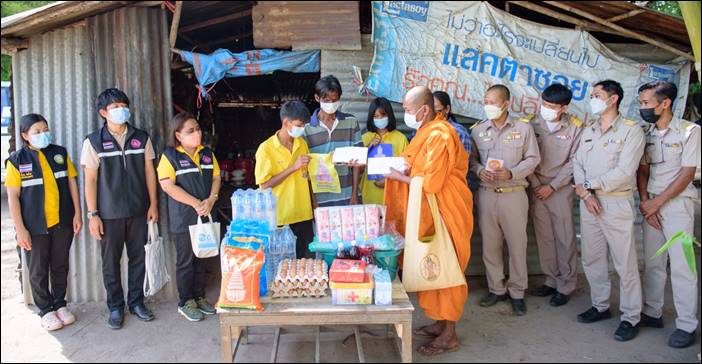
(424, 332)
(434, 350)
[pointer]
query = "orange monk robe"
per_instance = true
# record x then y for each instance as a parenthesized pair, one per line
(436, 153)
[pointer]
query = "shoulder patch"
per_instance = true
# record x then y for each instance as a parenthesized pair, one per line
(527, 118)
(476, 124)
(630, 122)
(575, 121)
(688, 125)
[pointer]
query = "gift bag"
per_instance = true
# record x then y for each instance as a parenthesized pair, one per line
(323, 174)
(155, 257)
(433, 264)
(205, 238)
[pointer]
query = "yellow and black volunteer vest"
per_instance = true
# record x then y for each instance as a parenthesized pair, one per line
(26, 161)
(196, 182)
(122, 191)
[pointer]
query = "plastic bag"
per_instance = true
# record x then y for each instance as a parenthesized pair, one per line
(155, 258)
(323, 175)
(241, 270)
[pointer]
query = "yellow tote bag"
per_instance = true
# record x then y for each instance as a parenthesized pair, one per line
(323, 174)
(433, 264)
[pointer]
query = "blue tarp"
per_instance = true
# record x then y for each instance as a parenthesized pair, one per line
(210, 68)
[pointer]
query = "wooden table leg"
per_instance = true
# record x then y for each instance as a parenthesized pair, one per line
(407, 341)
(359, 345)
(226, 344)
(276, 342)
(245, 335)
(316, 346)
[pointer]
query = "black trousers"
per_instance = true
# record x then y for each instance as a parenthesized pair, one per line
(118, 232)
(48, 260)
(304, 231)
(190, 270)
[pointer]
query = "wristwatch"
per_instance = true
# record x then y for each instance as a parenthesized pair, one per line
(587, 185)
(93, 213)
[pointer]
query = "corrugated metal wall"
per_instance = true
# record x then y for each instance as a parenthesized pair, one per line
(60, 75)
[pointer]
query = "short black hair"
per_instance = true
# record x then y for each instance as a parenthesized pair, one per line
(295, 110)
(663, 90)
(381, 103)
(111, 96)
(326, 85)
(445, 100)
(557, 94)
(502, 89)
(612, 88)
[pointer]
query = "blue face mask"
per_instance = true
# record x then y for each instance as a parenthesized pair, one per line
(119, 115)
(381, 123)
(41, 140)
(296, 131)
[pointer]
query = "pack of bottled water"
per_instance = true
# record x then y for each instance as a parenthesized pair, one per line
(281, 247)
(255, 205)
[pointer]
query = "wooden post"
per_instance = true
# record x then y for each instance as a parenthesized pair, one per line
(624, 32)
(174, 24)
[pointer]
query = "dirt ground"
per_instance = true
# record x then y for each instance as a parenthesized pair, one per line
(545, 334)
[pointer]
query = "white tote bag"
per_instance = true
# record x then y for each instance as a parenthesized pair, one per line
(156, 270)
(428, 265)
(205, 238)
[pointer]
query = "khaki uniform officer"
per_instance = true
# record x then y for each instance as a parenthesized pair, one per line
(604, 170)
(503, 205)
(552, 204)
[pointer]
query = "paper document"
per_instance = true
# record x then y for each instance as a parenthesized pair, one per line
(383, 165)
(345, 155)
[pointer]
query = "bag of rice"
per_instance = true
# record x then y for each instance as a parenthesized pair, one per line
(241, 269)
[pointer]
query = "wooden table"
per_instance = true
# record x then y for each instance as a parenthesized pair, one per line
(318, 311)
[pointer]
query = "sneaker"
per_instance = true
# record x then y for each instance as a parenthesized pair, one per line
(681, 339)
(592, 315)
(205, 306)
(65, 316)
(191, 311)
(51, 322)
(626, 331)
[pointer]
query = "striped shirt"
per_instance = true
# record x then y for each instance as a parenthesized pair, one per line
(344, 133)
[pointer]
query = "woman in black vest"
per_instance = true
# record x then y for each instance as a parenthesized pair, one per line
(43, 197)
(189, 174)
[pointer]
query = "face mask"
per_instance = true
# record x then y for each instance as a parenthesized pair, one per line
(649, 115)
(118, 115)
(329, 107)
(548, 114)
(411, 120)
(492, 112)
(597, 106)
(296, 132)
(41, 140)
(192, 140)
(381, 123)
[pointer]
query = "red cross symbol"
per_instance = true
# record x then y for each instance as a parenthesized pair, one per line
(353, 296)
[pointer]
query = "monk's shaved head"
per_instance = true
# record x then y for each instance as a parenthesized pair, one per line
(501, 90)
(419, 96)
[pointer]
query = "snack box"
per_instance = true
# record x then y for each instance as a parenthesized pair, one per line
(347, 271)
(353, 293)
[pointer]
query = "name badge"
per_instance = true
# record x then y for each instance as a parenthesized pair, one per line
(184, 163)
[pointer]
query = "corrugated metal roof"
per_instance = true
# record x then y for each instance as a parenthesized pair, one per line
(307, 25)
(61, 74)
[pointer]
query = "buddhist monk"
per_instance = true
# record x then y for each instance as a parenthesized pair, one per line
(436, 154)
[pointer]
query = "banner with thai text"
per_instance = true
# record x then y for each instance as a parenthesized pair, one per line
(464, 47)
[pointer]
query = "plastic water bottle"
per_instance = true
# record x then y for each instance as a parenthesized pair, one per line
(271, 209)
(260, 207)
(248, 205)
(236, 205)
(291, 241)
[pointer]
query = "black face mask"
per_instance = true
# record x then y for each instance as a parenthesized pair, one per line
(649, 115)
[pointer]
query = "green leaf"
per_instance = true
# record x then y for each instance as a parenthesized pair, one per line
(687, 242)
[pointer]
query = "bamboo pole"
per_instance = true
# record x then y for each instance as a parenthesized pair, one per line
(622, 30)
(580, 24)
(626, 15)
(174, 24)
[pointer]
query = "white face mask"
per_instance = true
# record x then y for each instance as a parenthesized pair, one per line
(411, 120)
(597, 106)
(296, 132)
(492, 112)
(330, 107)
(548, 114)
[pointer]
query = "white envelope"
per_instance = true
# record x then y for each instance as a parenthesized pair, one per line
(345, 155)
(383, 165)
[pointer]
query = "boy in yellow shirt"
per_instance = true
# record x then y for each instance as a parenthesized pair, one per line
(281, 164)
